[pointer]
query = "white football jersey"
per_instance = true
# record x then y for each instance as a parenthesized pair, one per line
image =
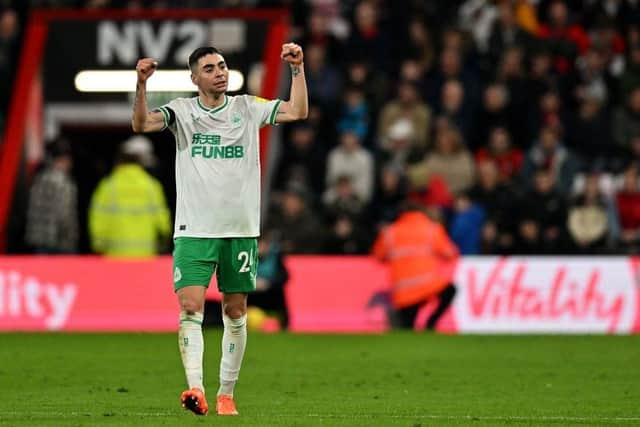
(218, 164)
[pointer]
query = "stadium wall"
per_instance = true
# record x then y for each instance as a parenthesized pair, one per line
(598, 295)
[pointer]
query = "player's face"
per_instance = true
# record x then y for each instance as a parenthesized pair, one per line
(211, 75)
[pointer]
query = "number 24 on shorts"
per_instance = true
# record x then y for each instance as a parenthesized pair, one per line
(247, 261)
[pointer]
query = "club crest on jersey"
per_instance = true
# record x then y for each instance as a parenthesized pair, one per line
(195, 118)
(236, 120)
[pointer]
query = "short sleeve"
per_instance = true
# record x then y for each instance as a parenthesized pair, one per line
(169, 114)
(263, 110)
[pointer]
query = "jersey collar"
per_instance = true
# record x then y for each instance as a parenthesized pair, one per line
(213, 110)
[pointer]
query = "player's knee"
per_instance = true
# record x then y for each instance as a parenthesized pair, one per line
(191, 306)
(235, 311)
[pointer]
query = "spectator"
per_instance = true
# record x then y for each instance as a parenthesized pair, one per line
(453, 107)
(566, 39)
(605, 38)
(494, 113)
(347, 236)
(368, 37)
(451, 68)
(303, 159)
(322, 122)
(9, 45)
(626, 120)
(401, 149)
(632, 157)
(355, 113)
(628, 204)
(419, 46)
(505, 32)
(511, 74)
(591, 220)
(323, 80)
(541, 77)
(528, 239)
(129, 216)
(317, 32)
(548, 111)
(341, 200)
(497, 199)
(300, 229)
(499, 150)
(477, 17)
(392, 190)
(612, 11)
(421, 258)
(590, 133)
(52, 216)
(526, 15)
(374, 83)
(593, 80)
(466, 225)
(406, 106)
(449, 160)
(411, 70)
(550, 154)
(630, 79)
(545, 207)
(272, 276)
(350, 159)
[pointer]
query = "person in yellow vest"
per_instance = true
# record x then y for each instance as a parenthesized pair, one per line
(128, 215)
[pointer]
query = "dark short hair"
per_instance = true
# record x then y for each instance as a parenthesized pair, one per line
(199, 53)
(58, 148)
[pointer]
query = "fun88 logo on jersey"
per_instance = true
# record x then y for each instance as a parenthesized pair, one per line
(208, 147)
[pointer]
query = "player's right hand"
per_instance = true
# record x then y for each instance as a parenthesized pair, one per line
(145, 68)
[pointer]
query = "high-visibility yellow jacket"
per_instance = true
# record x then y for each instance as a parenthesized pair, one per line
(128, 215)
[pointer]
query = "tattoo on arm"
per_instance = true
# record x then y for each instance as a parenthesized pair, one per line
(295, 70)
(135, 101)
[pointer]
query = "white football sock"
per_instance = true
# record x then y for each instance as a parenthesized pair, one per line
(191, 347)
(234, 340)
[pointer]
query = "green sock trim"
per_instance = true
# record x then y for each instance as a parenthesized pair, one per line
(191, 320)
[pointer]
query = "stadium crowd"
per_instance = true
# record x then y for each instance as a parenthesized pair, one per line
(515, 122)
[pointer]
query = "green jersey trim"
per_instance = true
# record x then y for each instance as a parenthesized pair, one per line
(213, 110)
(272, 118)
(165, 116)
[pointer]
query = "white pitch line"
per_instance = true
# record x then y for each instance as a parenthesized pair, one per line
(337, 416)
(479, 417)
(85, 414)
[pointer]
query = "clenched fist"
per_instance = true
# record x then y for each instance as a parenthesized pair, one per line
(145, 68)
(292, 53)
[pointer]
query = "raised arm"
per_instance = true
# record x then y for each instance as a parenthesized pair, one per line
(297, 107)
(143, 120)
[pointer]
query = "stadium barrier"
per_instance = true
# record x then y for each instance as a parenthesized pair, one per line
(330, 294)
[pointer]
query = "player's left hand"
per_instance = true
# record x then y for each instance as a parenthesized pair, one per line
(292, 53)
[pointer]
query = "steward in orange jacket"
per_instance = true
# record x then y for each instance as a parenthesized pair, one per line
(421, 258)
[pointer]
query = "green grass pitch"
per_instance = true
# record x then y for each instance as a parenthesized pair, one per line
(398, 379)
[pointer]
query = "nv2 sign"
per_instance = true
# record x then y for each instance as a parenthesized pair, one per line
(123, 43)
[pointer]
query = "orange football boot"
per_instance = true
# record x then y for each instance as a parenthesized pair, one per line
(225, 405)
(195, 401)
